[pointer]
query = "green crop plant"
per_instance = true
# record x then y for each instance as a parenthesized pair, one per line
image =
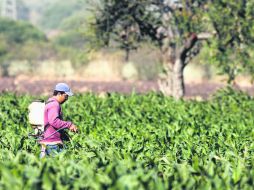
(134, 141)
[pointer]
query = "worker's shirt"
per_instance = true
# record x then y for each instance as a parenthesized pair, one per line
(52, 122)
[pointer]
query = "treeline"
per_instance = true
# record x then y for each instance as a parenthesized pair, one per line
(20, 42)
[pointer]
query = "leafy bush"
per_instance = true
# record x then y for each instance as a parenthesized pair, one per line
(19, 41)
(22, 42)
(20, 32)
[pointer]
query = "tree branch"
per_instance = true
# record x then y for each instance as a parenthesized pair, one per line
(190, 43)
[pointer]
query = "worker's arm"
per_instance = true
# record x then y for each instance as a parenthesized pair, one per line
(54, 117)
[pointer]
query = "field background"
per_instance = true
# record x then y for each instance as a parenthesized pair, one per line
(65, 50)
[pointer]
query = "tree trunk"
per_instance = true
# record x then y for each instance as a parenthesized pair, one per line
(127, 55)
(174, 83)
(165, 82)
(178, 79)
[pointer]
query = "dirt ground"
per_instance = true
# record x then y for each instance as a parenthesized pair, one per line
(44, 87)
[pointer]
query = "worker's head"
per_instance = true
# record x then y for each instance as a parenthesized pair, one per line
(62, 91)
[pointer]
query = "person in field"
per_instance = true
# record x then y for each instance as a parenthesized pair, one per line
(54, 125)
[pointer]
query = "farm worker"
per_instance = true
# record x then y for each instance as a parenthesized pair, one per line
(53, 122)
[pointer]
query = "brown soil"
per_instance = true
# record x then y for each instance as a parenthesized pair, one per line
(44, 87)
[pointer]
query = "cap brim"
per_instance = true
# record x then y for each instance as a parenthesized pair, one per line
(69, 93)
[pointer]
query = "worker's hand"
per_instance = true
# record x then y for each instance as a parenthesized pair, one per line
(73, 128)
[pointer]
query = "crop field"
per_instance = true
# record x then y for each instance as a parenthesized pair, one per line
(134, 141)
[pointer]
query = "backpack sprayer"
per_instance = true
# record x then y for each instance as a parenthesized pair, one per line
(36, 117)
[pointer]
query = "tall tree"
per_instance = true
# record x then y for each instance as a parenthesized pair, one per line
(231, 49)
(178, 27)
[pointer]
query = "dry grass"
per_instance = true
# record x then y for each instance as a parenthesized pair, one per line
(103, 66)
(109, 66)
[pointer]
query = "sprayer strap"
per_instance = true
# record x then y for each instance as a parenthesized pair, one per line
(49, 102)
(47, 125)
